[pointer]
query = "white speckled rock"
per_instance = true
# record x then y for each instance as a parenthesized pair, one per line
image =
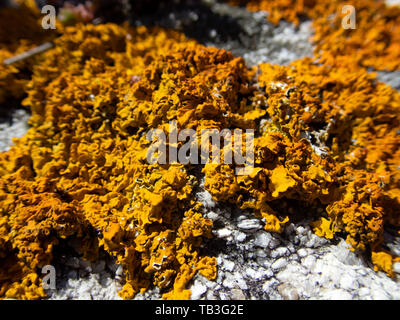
(348, 283)
(198, 289)
(16, 129)
(262, 239)
(337, 294)
(250, 224)
(223, 233)
(279, 264)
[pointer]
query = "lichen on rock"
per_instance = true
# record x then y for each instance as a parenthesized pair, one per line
(325, 134)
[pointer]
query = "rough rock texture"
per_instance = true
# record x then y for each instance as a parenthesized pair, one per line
(252, 264)
(246, 34)
(12, 126)
(297, 264)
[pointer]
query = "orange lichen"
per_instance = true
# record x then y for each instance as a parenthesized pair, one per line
(331, 138)
(20, 30)
(87, 153)
(374, 42)
(325, 135)
(353, 120)
(383, 261)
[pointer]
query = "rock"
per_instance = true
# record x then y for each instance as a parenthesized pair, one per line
(274, 243)
(315, 242)
(362, 272)
(348, 283)
(237, 294)
(112, 265)
(308, 262)
(391, 78)
(253, 274)
(228, 265)
(260, 261)
(228, 283)
(223, 296)
(345, 256)
(250, 224)
(379, 294)
(269, 285)
(85, 265)
(212, 215)
(290, 248)
(119, 273)
(72, 274)
(99, 266)
(302, 252)
(279, 264)
(262, 239)
(363, 292)
(294, 257)
(268, 273)
(198, 289)
(210, 296)
(337, 294)
(73, 262)
(288, 292)
(279, 252)
(396, 267)
(223, 233)
(261, 253)
(206, 199)
(211, 284)
(287, 274)
(241, 283)
(240, 236)
(301, 230)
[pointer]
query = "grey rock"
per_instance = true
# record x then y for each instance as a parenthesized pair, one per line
(379, 294)
(73, 262)
(279, 252)
(302, 252)
(396, 267)
(279, 264)
(240, 236)
(288, 292)
(223, 233)
(337, 294)
(228, 265)
(348, 283)
(198, 289)
(262, 239)
(364, 292)
(250, 224)
(85, 265)
(99, 266)
(237, 294)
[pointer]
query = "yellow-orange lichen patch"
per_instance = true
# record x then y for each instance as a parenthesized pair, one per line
(20, 30)
(383, 261)
(323, 141)
(100, 89)
(325, 135)
(373, 42)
